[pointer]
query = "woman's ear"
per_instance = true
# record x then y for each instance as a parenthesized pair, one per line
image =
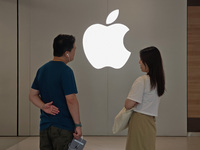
(146, 67)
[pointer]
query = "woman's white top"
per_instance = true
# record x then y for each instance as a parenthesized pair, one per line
(148, 99)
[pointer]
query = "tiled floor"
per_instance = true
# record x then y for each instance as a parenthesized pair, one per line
(104, 143)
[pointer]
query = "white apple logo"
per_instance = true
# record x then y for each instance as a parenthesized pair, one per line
(104, 45)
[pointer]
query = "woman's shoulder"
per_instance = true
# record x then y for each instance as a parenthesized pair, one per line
(141, 80)
(143, 77)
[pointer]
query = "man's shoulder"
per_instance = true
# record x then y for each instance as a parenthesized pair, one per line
(55, 66)
(67, 69)
(45, 64)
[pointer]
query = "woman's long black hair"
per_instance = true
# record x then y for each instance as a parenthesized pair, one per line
(151, 57)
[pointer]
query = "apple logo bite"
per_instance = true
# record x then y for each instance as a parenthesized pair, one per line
(104, 45)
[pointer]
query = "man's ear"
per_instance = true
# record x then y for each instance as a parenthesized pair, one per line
(66, 54)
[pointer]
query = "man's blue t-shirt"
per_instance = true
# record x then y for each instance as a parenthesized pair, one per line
(54, 80)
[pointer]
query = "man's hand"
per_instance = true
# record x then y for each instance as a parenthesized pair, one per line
(50, 109)
(73, 106)
(77, 133)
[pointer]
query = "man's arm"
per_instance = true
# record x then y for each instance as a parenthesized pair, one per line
(36, 100)
(73, 106)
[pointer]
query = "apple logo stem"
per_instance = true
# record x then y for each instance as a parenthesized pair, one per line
(104, 45)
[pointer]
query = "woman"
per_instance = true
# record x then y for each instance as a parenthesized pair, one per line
(144, 96)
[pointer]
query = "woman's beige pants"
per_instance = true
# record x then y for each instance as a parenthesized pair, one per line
(141, 132)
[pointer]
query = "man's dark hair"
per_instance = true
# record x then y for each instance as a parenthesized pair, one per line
(63, 43)
(151, 57)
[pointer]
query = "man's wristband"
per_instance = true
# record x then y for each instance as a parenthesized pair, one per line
(78, 125)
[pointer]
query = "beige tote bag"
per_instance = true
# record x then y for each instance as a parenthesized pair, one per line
(121, 120)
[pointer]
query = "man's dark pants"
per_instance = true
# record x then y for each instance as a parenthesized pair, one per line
(55, 138)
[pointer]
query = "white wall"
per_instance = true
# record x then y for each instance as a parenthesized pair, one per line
(102, 92)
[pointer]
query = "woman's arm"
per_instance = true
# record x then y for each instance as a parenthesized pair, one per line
(130, 104)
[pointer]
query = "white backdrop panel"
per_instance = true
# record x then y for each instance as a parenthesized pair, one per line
(102, 92)
(162, 24)
(50, 18)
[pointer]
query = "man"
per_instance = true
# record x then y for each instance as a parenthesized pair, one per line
(54, 92)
